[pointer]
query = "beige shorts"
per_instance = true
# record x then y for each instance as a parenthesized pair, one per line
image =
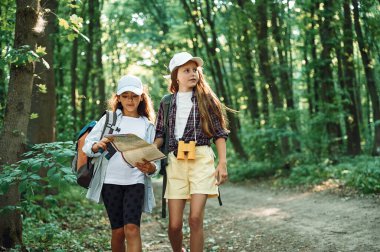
(187, 177)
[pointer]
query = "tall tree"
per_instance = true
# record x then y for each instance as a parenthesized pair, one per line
(99, 74)
(276, 21)
(246, 57)
(350, 101)
(74, 75)
(325, 76)
(310, 54)
(42, 128)
(265, 62)
(283, 49)
(29, 25)
(263, 52)
(208, 16)
(89, 61)
(370, 78)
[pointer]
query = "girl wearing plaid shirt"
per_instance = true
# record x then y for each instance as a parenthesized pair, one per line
(195, 115)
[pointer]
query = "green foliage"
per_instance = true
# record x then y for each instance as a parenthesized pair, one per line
(24, 55)
(65, 121)
(264, 142)
(361, 173)
(72, 223)
(74, 25)
(307, 174)
(240, 171)
(53, 210)
(44, 169)
(71, 26)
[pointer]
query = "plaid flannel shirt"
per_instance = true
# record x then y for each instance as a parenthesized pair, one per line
(188, 134)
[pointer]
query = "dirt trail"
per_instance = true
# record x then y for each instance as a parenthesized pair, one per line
(256, 218)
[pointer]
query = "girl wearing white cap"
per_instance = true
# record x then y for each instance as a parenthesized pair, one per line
(126, 191)
(195, 117)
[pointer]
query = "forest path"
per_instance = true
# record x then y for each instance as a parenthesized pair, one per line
(257, 218)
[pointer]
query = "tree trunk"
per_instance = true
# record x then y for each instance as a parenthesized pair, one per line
(263, 52)
(284, 68)
(308, 68)
(314, 58)
(326, 78)
(248, 78)
(101, 84)
(265, 68)
(89, 61)
(369, 73)
(74, 78)
(42, 129)
(265, 103)
(12, 141)
(350, 105)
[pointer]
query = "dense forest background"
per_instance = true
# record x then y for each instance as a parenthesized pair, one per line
(304, 77)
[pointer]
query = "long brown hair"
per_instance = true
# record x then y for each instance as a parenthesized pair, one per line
(207, 102)
(145, 107)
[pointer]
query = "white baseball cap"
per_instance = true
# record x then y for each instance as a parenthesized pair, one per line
(181, 58)
(129, 83)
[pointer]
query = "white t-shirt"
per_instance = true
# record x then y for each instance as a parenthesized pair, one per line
(184, 105)
(118, 171)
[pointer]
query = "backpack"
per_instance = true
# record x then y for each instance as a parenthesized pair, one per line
(167, 103)
(82, 165)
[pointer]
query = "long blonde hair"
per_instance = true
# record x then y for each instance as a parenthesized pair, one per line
(145, 107)
(207, 102)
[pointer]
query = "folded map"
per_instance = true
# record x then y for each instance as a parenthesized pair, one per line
(134, 149)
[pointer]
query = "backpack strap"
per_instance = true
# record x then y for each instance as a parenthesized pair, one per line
(105, 124)
(167, 103)
(110, 117)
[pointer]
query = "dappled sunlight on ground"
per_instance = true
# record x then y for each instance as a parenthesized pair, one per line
(267, 213)
(327, 185)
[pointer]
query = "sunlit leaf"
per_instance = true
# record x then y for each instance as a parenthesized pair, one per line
(33, 116)
(63, 23)
(41, 51)
(42, 88)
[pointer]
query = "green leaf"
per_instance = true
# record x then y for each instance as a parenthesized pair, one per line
(42, 88)
(63, 23)
(51, 171)
(41, 51)
(33, 116)
(35, 177)
(72, 36)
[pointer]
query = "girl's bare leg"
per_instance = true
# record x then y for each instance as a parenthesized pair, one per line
(118, 240)
(176, 207)
(197, 209)
(132, 233)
